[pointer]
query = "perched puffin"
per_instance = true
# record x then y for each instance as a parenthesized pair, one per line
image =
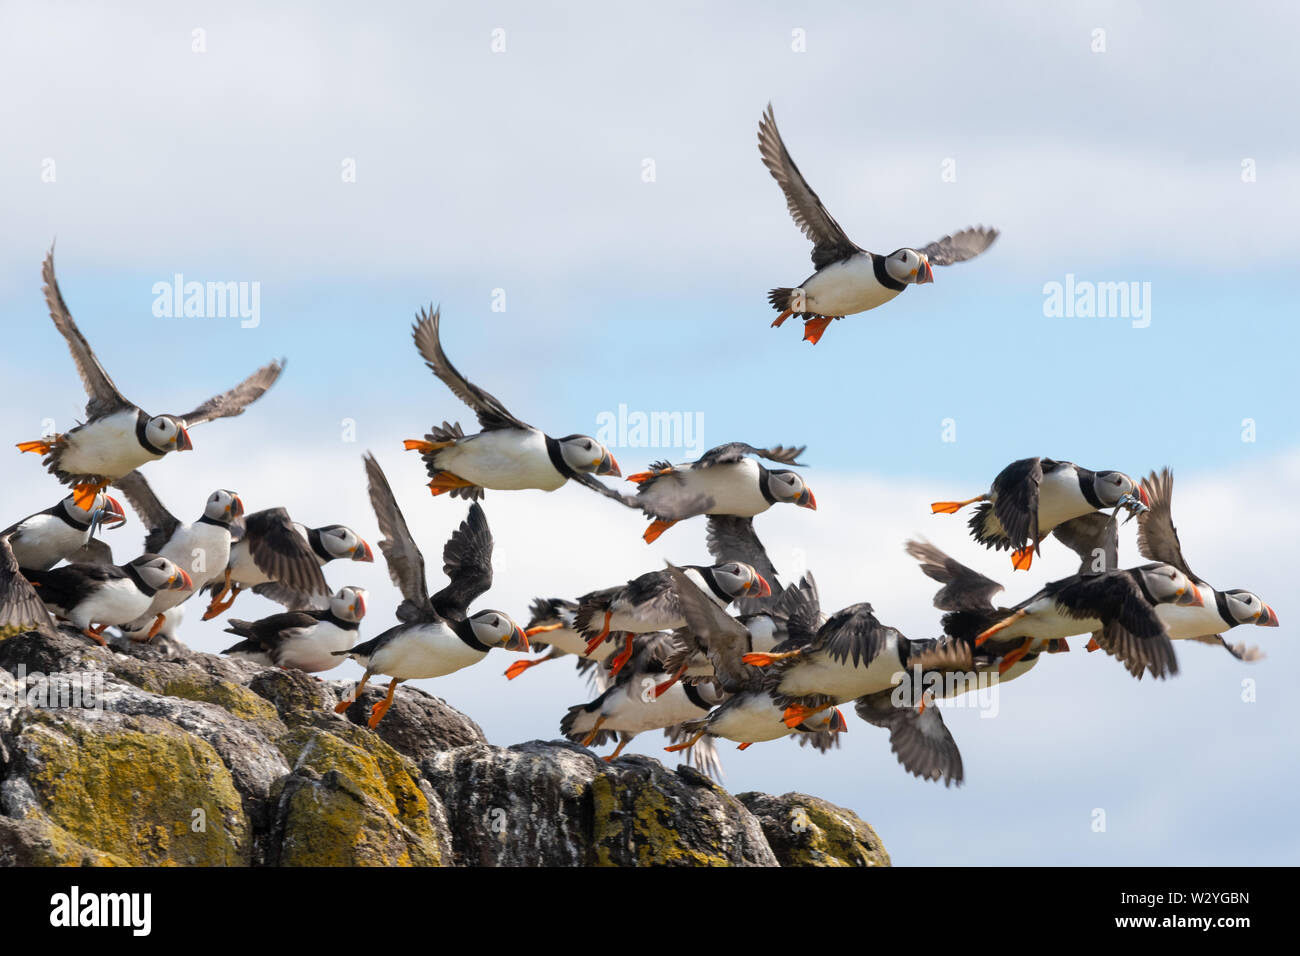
(281, 559)
(649, 603)
(203, 545)
(630, 706)
(107, 595)
(1035, 496)
(1117, 607)
(117, 436)
(554, 618)
(64, 532)
(750, 714)
(21, 608)
(848, 278)
(1158, 541)
(437, 635)
(306, 640)
(507, 454)
(726, 480)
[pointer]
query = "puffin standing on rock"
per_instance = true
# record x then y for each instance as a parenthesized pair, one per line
(1033, 497)
(508, 454)
(203, 545)
(118, 436)
(437, 635)
(849, 279)
(726, 480)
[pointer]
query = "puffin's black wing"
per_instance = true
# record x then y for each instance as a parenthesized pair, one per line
(963, 589)
(731, 538)
(405, 562)
(598, 486)
(1157, 536)
(281, 553)
(853, 633)
(492, 415)
(289, 597)
(733, 452)
(162, 524)
(960, 246)
(270, 631)
(467, 562)
(93, 551)
(1131, 629)
(1016, 504)
(1094, 538)
(104, 396)
(20, 608)
(800, 610)
(723, 639)
(234, 401)
(830, 242)
(923, 744)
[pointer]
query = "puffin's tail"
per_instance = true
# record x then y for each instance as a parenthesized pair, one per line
(239, 628)
(780, 299)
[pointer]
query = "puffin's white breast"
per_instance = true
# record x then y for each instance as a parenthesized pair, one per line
(846, 287)
(425, 650)
(107, 447)
(506, 459)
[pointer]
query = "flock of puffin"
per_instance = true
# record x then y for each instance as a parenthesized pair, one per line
(664, 650)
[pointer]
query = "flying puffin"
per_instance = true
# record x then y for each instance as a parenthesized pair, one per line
(649, 603)
(64, 532)
(849, 279)
(630, 706)
(437, 635)
(726, 480)
(306, 640)
(1033, 497)
(21, 608)
(507, 454)
(554, 619)
(203, 544)
(1117, 607)
(1158, 541)
(281, 559)
(750, 714)
(104, 594)
(853, 657)
(118, 436)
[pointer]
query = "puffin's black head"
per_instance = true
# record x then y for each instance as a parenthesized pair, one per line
(1114, 488)
(166, 434)
(909, 267)
(340, 541)
(738, 580)
(788, 486)
(498, 629)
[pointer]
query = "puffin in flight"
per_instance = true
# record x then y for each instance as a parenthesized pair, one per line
(727, 480)
(437, 635)
(118, 436)
(1034, 497)
(507, 454)
(849, 279)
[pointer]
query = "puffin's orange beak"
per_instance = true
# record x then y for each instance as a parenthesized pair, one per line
(927, 274)
(183, 442)
(1268, 618)
(113, 511)
(764, 589)
(362, 552)
(1142, 493)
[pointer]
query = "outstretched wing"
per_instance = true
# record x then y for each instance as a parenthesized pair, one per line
(732, 452)
(963, 588)
(1094, 538)
(233, 402)
(282, 553)
(854, 634)
(467, 562)
(598, 486)
(723, 639)
(492, 415)
(923, 744)
(1131, 629)
(104, 396)
(405, 562)
(1157, 536)
(830, 242)
(20, 609)
(161, 523)
(960, 246)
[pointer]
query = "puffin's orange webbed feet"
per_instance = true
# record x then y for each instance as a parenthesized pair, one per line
(814, 329)
(657, 527)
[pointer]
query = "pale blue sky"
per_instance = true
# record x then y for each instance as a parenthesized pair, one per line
(522, 171)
